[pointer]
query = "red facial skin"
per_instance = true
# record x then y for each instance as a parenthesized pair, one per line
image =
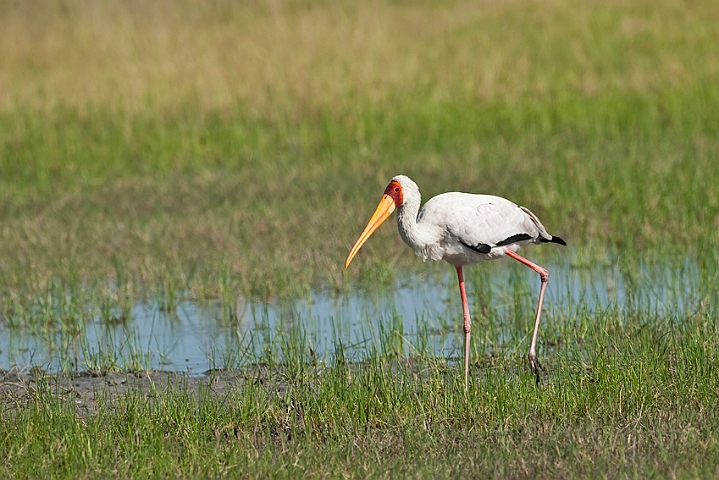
(394, 190)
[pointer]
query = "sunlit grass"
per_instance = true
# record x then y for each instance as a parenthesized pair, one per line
(285, 60)
(280, 225)
(630, 385)
(621, 398)
(258, 145)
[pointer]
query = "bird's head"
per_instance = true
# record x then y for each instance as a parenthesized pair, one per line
(395, 196)
(402, 189)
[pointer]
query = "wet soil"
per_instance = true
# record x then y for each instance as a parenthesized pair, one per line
(19, 388)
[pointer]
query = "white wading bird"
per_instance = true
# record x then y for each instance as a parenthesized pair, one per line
(462, 229)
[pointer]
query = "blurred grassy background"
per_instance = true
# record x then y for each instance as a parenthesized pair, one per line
(188, 143)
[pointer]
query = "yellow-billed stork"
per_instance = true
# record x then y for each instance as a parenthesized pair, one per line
(462, 229)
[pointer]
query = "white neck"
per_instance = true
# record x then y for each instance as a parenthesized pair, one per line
(409, 229)
(422, 236)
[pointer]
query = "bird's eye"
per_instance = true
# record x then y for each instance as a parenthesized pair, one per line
(396, 189)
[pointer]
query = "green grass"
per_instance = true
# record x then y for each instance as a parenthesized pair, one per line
(173, 152)
(621, 399)
(181, 214)
(629, 389)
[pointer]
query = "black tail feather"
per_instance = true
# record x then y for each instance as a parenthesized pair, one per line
(553, 240)
(558, 240)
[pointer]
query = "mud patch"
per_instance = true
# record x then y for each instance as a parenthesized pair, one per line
(89, 393)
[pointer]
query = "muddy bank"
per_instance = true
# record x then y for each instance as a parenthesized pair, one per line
(20, 388)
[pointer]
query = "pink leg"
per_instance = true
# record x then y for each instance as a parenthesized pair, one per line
(467, 325)
(544, 276)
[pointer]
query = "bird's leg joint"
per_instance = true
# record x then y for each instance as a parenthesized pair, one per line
(544, 275)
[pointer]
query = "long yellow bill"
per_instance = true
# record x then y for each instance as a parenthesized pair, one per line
(384, 210)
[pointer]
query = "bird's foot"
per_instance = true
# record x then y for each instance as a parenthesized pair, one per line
(537, 367)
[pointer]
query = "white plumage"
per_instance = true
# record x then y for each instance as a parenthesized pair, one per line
(461, 229)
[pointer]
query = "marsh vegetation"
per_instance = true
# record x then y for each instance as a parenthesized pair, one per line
(165, 157)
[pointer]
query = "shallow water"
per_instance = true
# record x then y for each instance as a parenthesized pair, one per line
(419, 314)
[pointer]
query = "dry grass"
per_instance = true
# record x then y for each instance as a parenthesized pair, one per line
(291, 58)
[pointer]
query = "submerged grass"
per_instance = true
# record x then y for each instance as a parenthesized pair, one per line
(619, 399)
(629, 388)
